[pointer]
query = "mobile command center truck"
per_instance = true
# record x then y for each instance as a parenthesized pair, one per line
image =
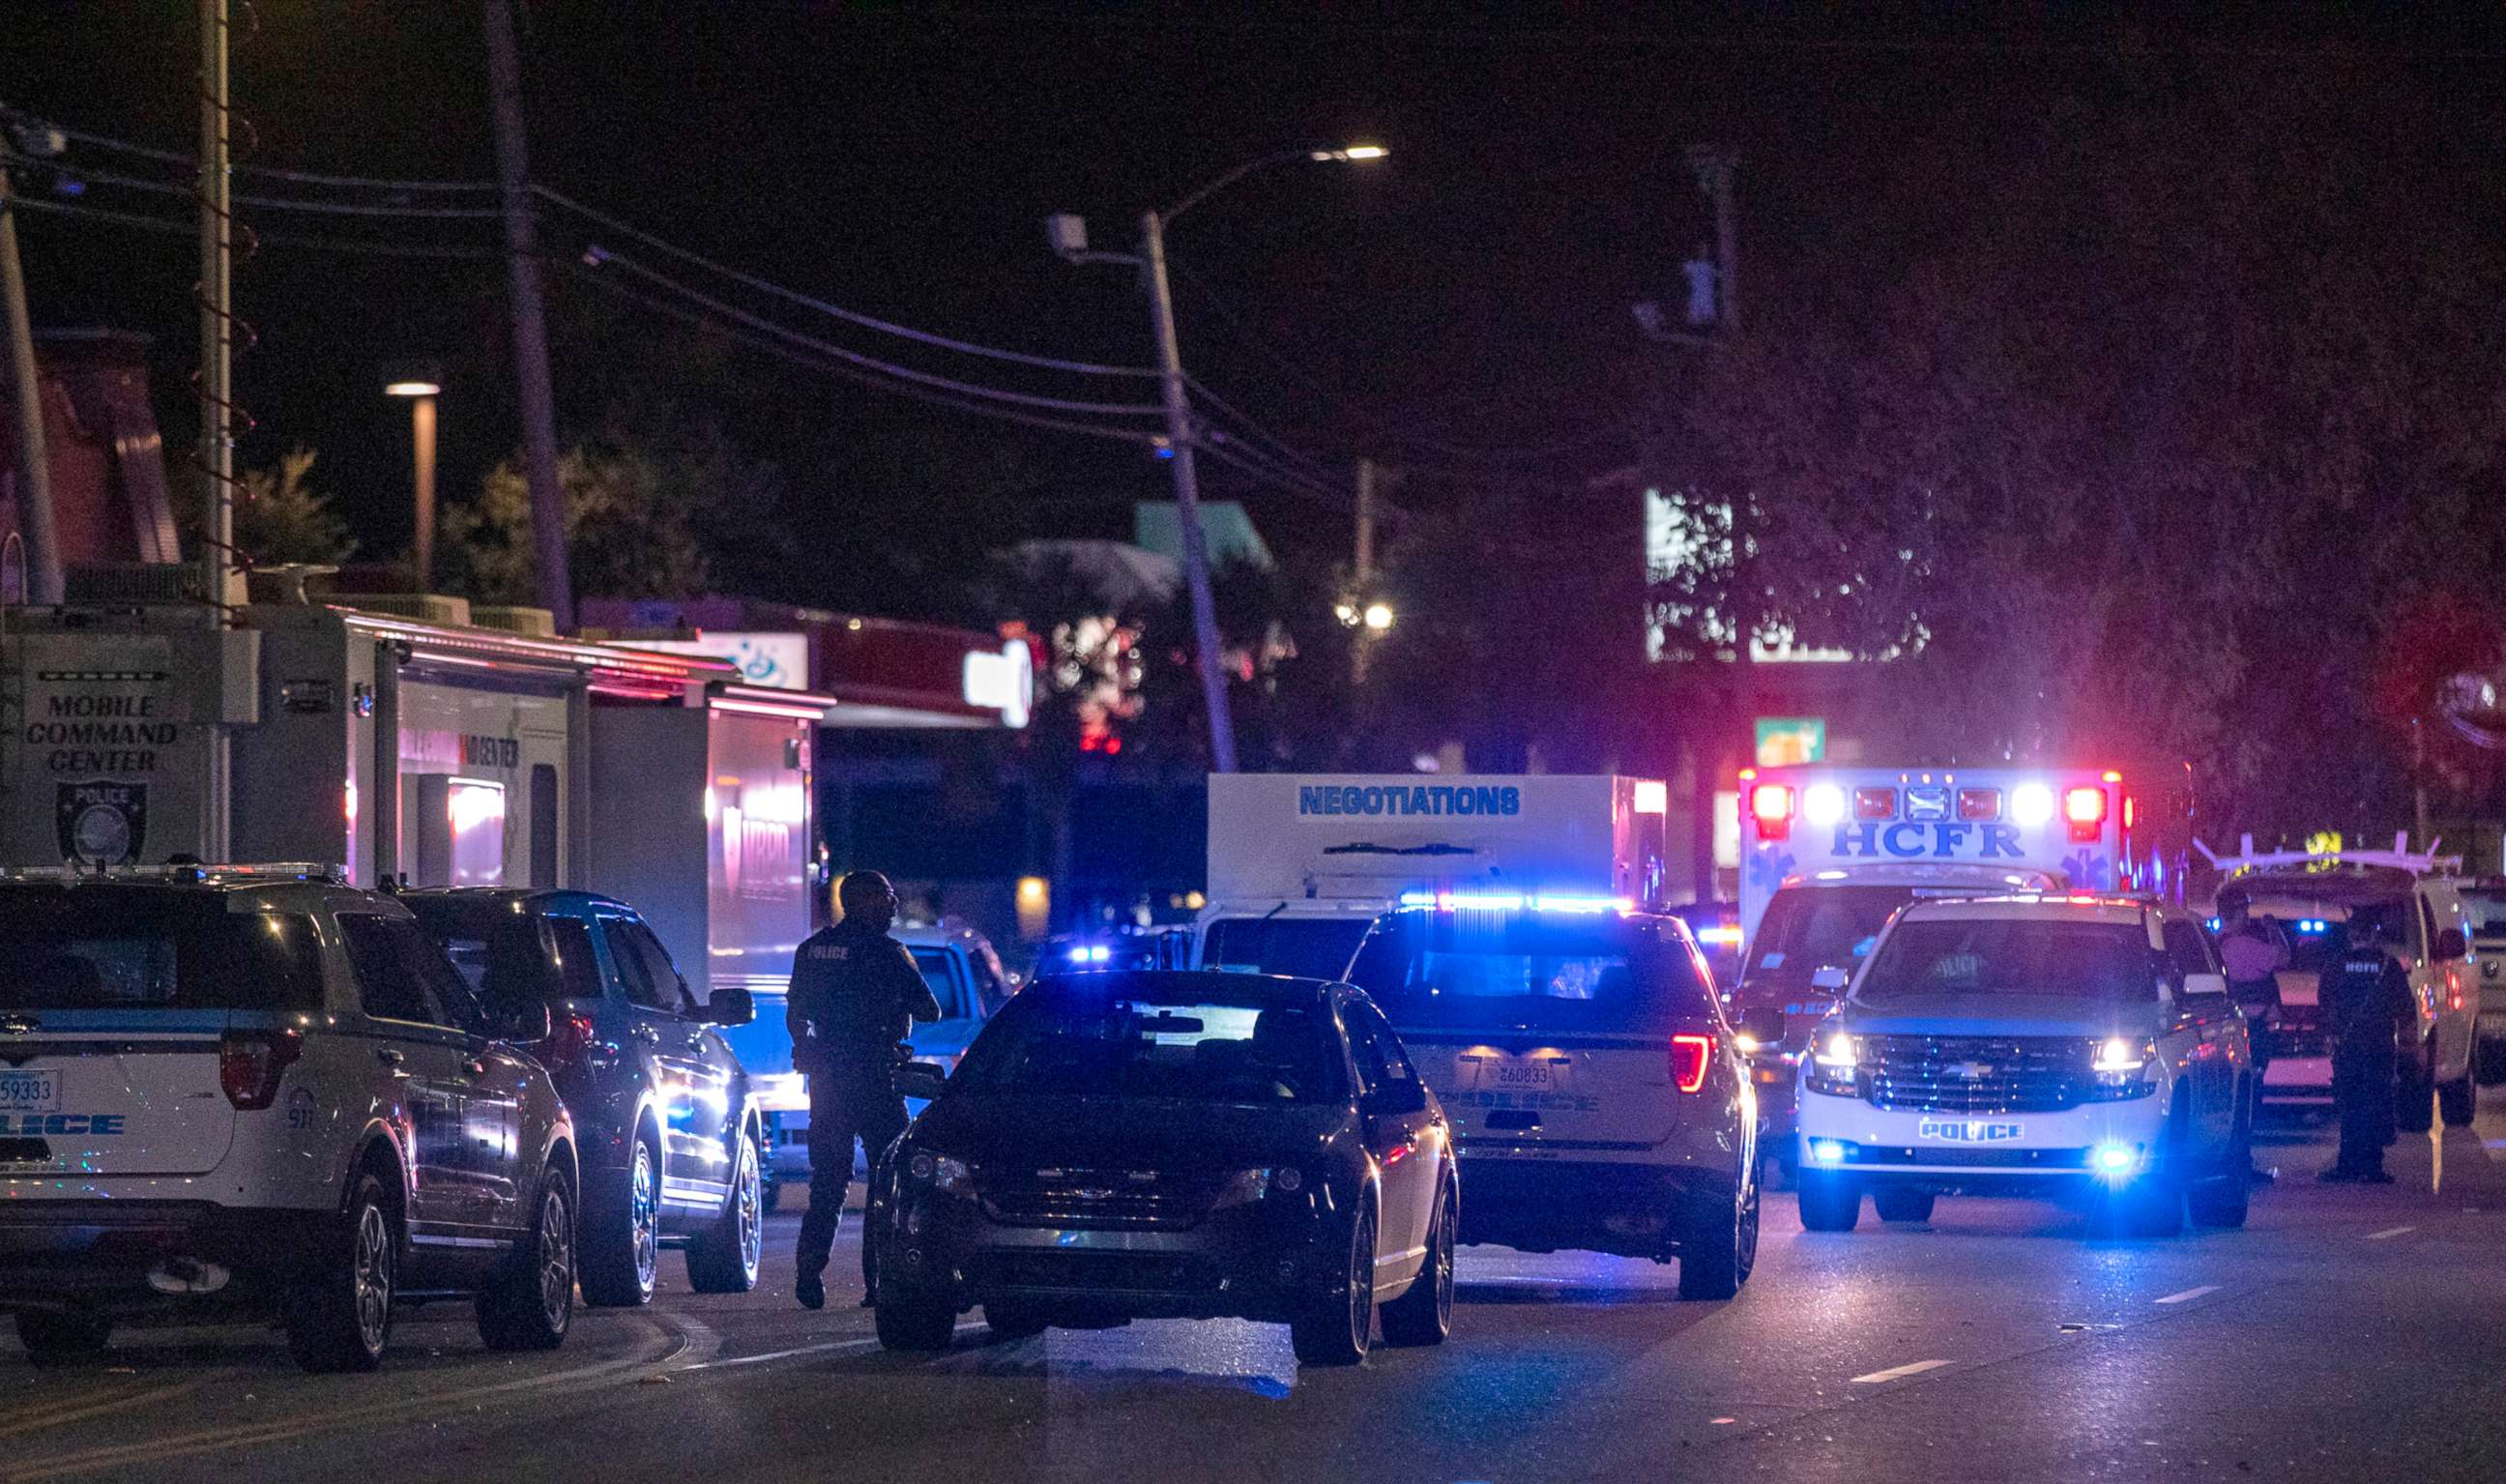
(1301, 864)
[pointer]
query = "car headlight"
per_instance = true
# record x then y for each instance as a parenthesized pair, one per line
(1835, 1065)
(2121, 1068)
(949, 1177)
(1245, 1186)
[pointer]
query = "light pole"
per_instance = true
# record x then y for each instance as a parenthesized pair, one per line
(421, 387)
(1069, 237)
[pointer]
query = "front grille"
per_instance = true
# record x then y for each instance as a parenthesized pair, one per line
(1975, 1159)
(1977, 1073)
(1142, 1200)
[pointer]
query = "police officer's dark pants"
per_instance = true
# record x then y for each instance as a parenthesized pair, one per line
(2362, 1091)
(854, 1103)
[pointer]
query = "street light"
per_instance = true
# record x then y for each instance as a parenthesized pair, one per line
(1069, 237)
(420, 384)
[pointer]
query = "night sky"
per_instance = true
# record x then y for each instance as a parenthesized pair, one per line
(1470, 294)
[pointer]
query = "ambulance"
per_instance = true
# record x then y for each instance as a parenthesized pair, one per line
(1830, 852)
(1301, 864)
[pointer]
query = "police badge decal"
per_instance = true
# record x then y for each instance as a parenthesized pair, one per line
(101, 824)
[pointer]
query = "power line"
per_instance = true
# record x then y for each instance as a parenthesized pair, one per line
(1245, 461)
(1259, 433)
(601, 257)
(772, 347)
(300, 177)
(267, 239)
(271, 202)
(837, 312)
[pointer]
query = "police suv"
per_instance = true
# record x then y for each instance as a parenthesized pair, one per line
(2071, 1046)
(246, 1088)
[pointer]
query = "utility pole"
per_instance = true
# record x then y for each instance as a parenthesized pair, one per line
(34, 469)
(1364, 562)
(1187, 482)
(1714, 167)
(217, 394)
(530, 318)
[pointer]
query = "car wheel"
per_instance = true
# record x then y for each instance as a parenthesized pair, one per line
(909, 1320)
(724, 1257)
(622, 1242)
(529, 1302)
(1424, 1314)
(1013, 1320)
(1829, 1201)
(63, 1338)
(1720, 1247)
(2223, 1200)
(1338, 1328)
(338, 1317)
(2458, 1102)
(1903, 1204)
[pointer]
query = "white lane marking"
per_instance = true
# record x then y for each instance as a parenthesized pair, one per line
(2389, 1231)
(2188, 1296)
(831, 1346)
(1915, 1368)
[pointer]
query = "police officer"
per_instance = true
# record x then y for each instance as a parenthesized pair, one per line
(2367, 1001)
(853, 991)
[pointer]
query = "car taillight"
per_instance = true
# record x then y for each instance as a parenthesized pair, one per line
(1979, 803)
(1770, 804)
(2086, 809)
(1690, 1057)
(569, 1037)
(250, 1064)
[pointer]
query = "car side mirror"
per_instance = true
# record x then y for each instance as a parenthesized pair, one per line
(1763, 1025)
(519, 1019)
(2201, 990)
(1397, 1099)
(1830, 977)
(729, 1006)
(2451, 945)
(920, 1080)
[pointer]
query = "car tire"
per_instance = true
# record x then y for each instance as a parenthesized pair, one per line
(2222, 1201)
(1829, 1201)
(1720, 1246)
(1337, 1328)
(1013, 1320)
(528, 1302)
(1901, 1205)
(2457, 1102)
(338, 1317)
(63, 1338)
(725, 1256)
(2415, 1093)
(1424, 1314)
(911, 1321)
(622, 1233)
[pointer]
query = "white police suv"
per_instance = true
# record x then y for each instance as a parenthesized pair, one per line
(257, 1089)
(2073, 1046)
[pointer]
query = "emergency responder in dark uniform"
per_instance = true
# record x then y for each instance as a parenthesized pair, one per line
(854, 989)
(2366, 997)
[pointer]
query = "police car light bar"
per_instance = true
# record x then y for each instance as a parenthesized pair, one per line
(1514, 901)
(276, 871)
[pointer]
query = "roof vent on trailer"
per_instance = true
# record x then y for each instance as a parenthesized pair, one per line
(530, 622)
(424, 607)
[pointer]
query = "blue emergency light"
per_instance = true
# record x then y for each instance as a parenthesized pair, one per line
(1514, 901)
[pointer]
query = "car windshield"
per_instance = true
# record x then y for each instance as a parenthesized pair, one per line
(494, 946)
(1821, 927)
(107, 947)
(1301, 948)
(1191, 1037)
(2486, 911)
(1445, 969)
(2105, 960)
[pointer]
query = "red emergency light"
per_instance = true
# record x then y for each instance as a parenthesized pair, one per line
(1875, 803)
(1979, 803)
(2086, 808)
(1771, 805)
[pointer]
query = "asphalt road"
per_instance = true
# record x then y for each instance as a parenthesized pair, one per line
(2347, 1333)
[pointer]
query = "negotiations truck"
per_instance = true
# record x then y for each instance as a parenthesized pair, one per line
(1301, 864)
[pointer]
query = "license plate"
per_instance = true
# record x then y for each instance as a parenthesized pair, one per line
(1968, 1130)
(1520, 1075)
(30, 1092)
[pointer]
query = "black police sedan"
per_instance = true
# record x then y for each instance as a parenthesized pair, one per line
(1173, 1145)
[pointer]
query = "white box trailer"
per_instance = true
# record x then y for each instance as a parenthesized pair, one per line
(1300, 863)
